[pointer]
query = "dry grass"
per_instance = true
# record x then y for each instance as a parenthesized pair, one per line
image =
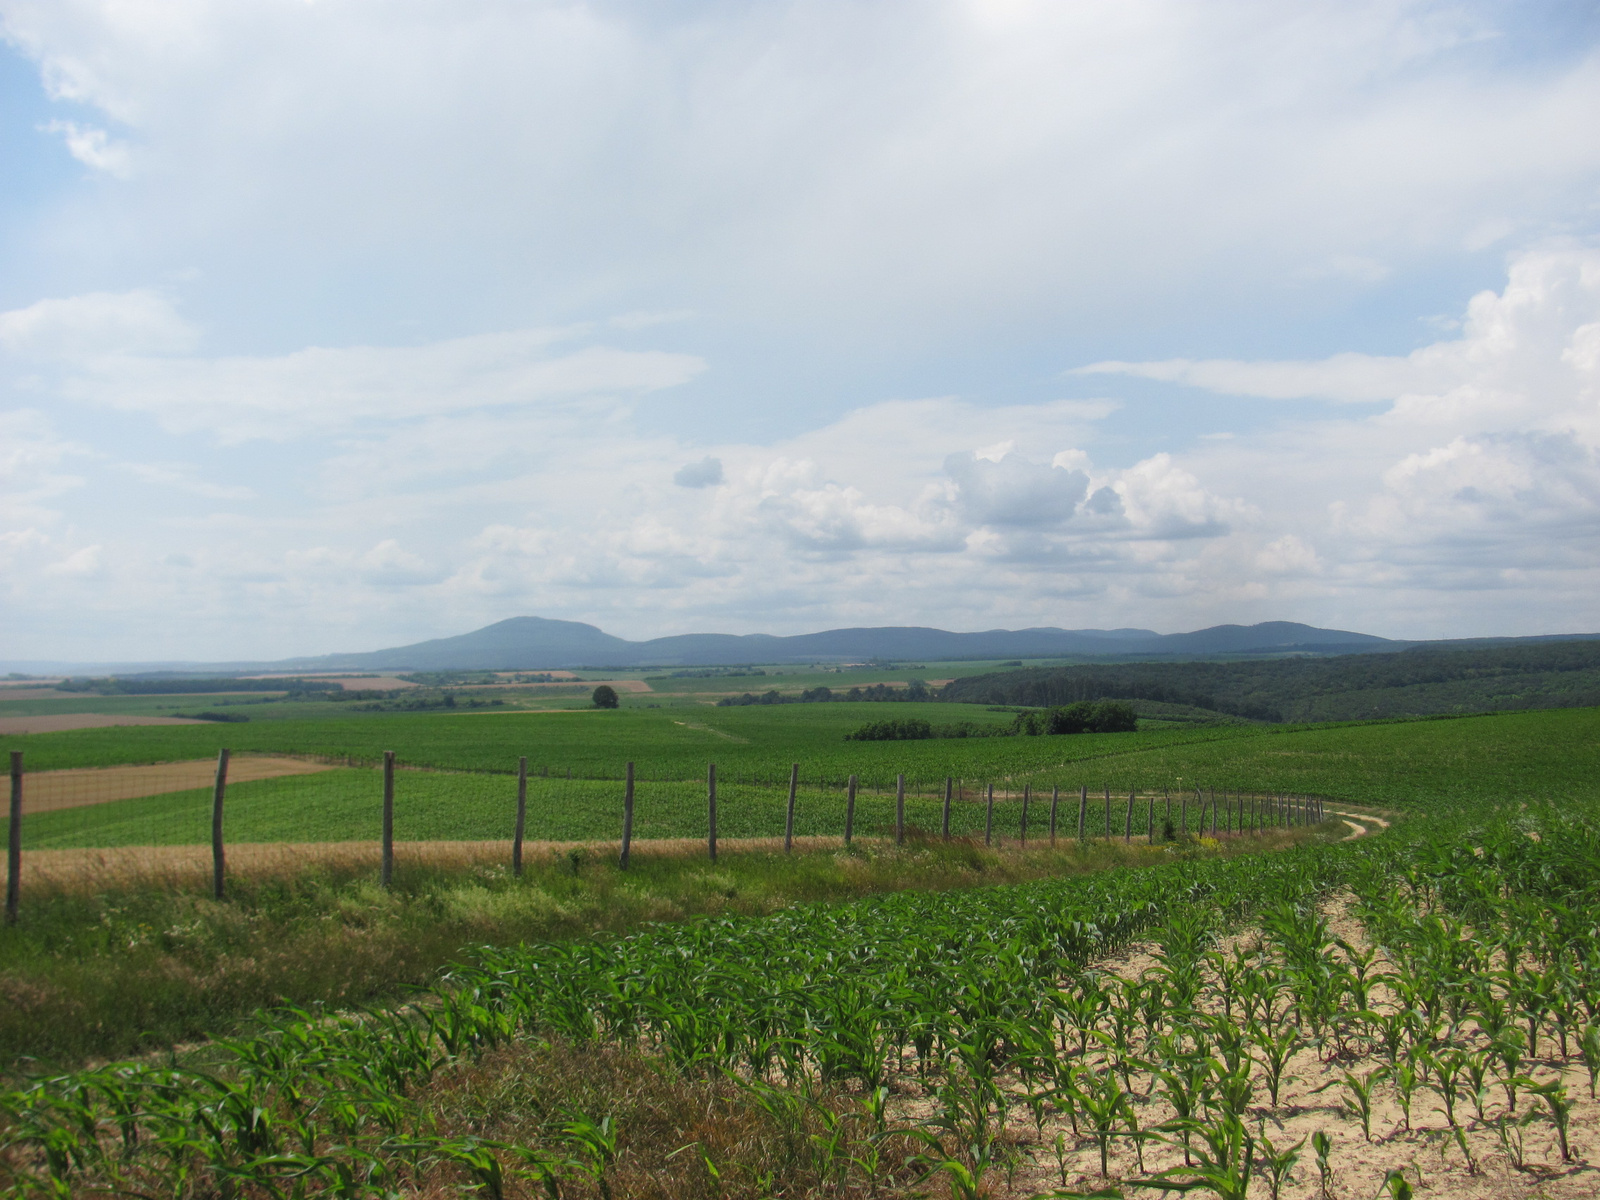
(45, 791)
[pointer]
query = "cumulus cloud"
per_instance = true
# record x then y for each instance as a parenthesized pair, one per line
(414, 354)
(705, 473)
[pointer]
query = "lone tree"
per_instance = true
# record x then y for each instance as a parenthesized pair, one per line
(605, 696)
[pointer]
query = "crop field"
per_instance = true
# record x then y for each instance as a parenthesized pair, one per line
(1285, 1016)
(469, 792)
(1342, 1017)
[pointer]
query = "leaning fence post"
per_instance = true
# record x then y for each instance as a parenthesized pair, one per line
(216, 824)
(1055, 802)
(948, 781)
(788, 824)
(988, 819)
(522, 816)
(1083, 807)
(899, 810)
(14, 844)
(386, 871)
(1027, 794)
(850, 811)
(627, 819)
(711, 811)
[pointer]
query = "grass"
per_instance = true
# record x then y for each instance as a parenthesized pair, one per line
(1429, 765)
(98, 967)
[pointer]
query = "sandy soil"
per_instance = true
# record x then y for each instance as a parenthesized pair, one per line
(1424, 1149)
(43, 791)
(57, 722)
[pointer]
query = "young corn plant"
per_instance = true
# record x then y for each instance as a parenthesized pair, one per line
(1358, 1094)
(1279, 1162)
(1224, 1164)
(1558, 1104)
(1274, 1049)
(1322, 1144)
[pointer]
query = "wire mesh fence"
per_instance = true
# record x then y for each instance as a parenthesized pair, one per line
(175, 813)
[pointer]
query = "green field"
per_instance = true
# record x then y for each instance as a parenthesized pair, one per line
(1436, 766)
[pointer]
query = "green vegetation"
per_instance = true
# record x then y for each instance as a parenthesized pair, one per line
(604, 696)
(1429, 764)
(893, 1038)
(1415, 682)
(137, 963)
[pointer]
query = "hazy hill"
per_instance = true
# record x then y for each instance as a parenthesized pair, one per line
(523, 643)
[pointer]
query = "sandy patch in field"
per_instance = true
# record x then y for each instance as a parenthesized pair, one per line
(44, 791)
(132, 866)
(60, 722)
(32, 692)
(1424, 1148)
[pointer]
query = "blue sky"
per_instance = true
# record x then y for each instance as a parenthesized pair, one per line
(330, 326)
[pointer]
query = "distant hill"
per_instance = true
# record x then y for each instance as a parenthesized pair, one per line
(524, 643)
(1415, 681)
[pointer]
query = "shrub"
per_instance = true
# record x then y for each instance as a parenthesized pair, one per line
(1108, 716)
(1113, 716)
(605, 696)
(911, 729)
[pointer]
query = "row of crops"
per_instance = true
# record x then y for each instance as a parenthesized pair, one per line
(960, 1021)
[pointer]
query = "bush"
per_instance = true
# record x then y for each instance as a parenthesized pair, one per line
(1109, 716)
(605, 696)
(1114, 716)
(911, 729)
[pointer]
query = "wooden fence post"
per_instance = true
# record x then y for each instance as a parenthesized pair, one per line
(850, 811)
(1150, 820)
(788, 822)
(948, 781)
(386, 870)
(711, 810)
(1083, 807)
(900, 810)
(1183, 813)
(1108, 814)
(217, 790)
(1127, 824)
(14, 844)
(988, 819)
(1055, 803)
(627, 819)
(1027, 794)
(521, 825)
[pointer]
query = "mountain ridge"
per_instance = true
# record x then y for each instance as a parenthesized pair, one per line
(537, 643)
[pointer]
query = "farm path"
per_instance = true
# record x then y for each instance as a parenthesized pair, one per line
(1359, 828)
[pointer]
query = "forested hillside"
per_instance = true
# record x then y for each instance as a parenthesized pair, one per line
(1416, 682)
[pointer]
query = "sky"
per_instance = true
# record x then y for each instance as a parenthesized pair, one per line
(329, 325)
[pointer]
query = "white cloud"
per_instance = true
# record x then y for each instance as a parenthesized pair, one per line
(79, 328)
(856, 205)
(319, 391)
(94, 148)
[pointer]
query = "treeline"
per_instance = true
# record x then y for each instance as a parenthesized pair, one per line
(1418, 682)
(169, 686)
(882, 692)
(1109, 716)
